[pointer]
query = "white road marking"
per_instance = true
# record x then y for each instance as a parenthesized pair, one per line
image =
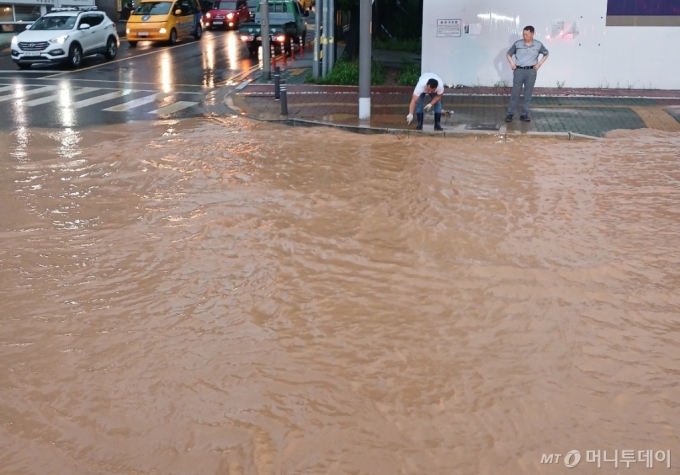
(59, 95)
(98, 99)
(137, 102)
(177, 106)
(21, 94)
(37, 71)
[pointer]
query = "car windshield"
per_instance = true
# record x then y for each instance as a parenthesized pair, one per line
(153, 8)
(224, 6)
(54, 23)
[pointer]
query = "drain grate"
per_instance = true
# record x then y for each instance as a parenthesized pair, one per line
(482, 127)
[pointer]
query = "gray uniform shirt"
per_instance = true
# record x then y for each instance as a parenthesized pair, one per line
(527, 55)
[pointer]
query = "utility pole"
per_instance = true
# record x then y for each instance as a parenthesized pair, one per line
(264, 33)
(324, 37)
(365, 60)
(331, 35)
(317, 37)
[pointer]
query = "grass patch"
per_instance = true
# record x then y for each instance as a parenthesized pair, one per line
(409, 73)
(346, 73)
(410, 46)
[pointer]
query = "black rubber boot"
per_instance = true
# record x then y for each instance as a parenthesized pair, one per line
(420, 118)
(437, 122)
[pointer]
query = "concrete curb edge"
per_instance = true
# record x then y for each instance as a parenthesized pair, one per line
(459, 131)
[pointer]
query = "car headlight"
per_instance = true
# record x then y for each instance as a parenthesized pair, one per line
(127, 31)
(207, 15)
(59, 40)
(230, 15)
(15, 40)
(162, 31)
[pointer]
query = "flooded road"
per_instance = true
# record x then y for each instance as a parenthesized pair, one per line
(238, 298)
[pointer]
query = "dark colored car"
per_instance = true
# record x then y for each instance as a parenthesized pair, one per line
(227, 14)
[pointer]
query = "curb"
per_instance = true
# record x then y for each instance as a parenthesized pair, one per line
(457, 132)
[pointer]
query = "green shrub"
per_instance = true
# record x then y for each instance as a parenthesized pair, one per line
(346, 73)
(408, 74)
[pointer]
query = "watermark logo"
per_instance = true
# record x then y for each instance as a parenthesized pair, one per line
(618, 457)
(572, 458)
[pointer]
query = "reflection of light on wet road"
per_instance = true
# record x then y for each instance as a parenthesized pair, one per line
(19, 151)
(65, 100)
(232, 51)
(209, 57)
(19, 107)
(166, 72)
(69, 140)
(209, 64)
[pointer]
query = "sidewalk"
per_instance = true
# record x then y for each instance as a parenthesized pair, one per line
(565, 113)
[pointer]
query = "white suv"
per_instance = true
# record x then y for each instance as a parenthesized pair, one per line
(65, 35)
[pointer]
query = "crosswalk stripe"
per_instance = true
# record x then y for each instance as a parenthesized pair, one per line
(9, 97)
(177, 106)
(137, 102)
(6, 88)
(98, 99)
(59, 95)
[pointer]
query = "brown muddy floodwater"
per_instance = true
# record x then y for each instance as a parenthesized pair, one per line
(246, 299)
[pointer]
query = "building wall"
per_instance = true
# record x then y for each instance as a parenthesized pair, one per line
(584, 50)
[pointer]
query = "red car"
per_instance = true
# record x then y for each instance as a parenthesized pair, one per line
(227, 14)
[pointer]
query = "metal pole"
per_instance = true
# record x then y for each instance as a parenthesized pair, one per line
(331, 34)
(264, 33)
(324, 39)
(365, 60)
(317, 29)
(284, 98)
(277, 83)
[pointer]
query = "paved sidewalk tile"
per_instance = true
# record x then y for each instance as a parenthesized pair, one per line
(586, 112)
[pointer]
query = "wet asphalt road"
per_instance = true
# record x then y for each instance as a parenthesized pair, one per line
(152, 81)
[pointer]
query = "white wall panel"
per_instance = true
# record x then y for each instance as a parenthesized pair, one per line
(598, 56)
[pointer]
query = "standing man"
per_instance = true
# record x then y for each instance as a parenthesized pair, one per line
(430, 85)
(525, 66)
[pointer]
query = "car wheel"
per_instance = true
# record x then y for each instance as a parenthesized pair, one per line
(111, 49)
(24, 65)
(173, 37)
(132, 44)
(253, 52)
(199, 32)
(75, 56)
(237, 25)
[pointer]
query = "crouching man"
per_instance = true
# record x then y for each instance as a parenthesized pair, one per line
(432, 86)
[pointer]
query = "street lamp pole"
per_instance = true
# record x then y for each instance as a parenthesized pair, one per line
(331, 34)
(365, 60)
(324, 37)
(264, 33)
(317, 38)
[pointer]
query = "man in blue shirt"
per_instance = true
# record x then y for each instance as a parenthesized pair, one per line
(525, 65)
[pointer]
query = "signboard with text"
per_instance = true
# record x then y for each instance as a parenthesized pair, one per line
(449, 28)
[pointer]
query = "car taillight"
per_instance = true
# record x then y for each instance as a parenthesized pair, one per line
(247, 38)
(280, 38)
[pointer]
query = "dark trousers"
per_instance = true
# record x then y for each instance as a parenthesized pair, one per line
(526, 78)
